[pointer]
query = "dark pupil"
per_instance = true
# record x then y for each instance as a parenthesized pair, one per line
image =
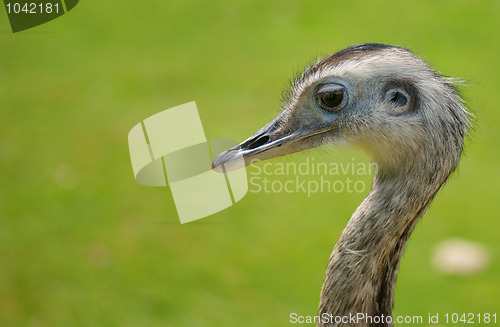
(399, 99)
(332, 99)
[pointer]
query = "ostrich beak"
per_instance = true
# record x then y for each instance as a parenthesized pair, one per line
(278, 138)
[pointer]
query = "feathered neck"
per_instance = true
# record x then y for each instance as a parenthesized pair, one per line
(362, 269)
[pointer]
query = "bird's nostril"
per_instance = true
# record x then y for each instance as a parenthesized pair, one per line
(258, 142)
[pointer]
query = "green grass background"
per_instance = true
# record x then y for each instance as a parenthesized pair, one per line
(81, 244)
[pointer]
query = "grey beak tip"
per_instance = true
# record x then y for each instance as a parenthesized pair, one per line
(217, 164)
(227, 161)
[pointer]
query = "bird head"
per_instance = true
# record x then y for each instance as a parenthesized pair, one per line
(382, 98)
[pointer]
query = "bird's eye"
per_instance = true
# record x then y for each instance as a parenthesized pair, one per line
(330, 97)
(398, 101)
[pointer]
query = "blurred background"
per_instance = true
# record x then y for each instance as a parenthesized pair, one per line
(82, 244)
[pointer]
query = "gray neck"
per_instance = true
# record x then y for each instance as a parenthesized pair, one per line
(362, 269)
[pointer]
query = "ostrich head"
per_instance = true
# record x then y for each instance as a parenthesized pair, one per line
(379, 97)
(409, 119)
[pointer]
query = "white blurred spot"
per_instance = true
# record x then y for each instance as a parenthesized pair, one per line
(460, 257)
